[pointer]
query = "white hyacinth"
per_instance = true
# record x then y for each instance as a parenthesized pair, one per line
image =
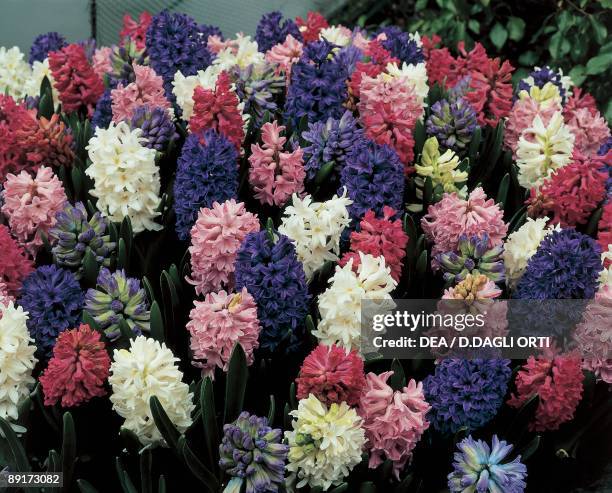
(325, 444)
(315, 228)
(149, 369)
(605, 276)
(522, 245)
(125, 175)
(40, 70)
(541, 150)
(336, 35)
(16, 359)
(340, 304)
(184, 87)
(242, 52)
(14, 72)
(412, 75)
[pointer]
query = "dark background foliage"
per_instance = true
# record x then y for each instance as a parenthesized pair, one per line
(569, 34)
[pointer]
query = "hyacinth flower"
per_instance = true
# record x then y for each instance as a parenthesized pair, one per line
(258, 90)
(156, 124)
(453, 123)
(117, 299)
(45, 43)
(478, 467)
(272, 30)
(252, 454)
(474, 256)
(122, 61)
(74, 235)
(541, 76)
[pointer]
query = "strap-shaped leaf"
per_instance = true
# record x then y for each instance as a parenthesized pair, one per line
(397, 381)
(126, 332)
(164, 425)
(90, 268)
(53, 461)
(198, 469)
(89, 320)
(271, 410)
(126, 232)
(146, 462)
(475, 145)
(20, 460)
(45, 106)
(341, 488)
(237, 375)
(86, 487)
(324, 172)
(161, 484)
(68, 450)
(209, 421)
(122, 255)
(502, 192)
(157, 323)
(124, 479)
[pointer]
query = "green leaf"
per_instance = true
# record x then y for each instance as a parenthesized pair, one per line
(209, 420)
(90, 268)
(271, 410)
(421, 265)
(235, 388)
(528, 58)
(340, 489)
(397, 381)
(324, 172)
(122, 255)
(598, 64)
(146, 481)
(516, 28)
(126, 232)
(475, 145)
(19, 459)
(53, 461)
(45, 106)
(157, 323)
(474, 26)
(419, 137)
(593, 223)
(427, 193)
(310, 325)
(125, 330)
(530, 449)
(164, 425)
(86, 487)
(367, 487)
(68, 450)
(161, 487)
(198, 469)
(578, 74)
(599, 30)
(126, 483)
(502, 192)
(498, 35)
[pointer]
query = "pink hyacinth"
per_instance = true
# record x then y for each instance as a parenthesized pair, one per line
(15, 265)
(394, 421)
(285, 54)
(557, 381)
(217, 324)
(136, 31)
(332, 374)
(379, 237)
(275, 174)
(78, 369)
(593, 336)
(147, 89)
(215, 238)
(30, 205)
(521, 117)
(101, 61)
(5, 297)
(590, 130)
(389, 111)
(578, 100)
(453, 216)
(604, 229)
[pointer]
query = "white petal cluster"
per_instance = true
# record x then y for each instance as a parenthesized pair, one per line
(337, 35)
(241, 51)
(605, 276)
(541, 150)
(315, 228)
(40, 70)
(340, 304)
(125, 175)
(184, 87)
(16, 359)
(522, 245)
(325, 444)
(412, 75)
(149, 369)
(14, 72)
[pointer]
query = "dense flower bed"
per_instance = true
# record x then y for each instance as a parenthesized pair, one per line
(189, 224)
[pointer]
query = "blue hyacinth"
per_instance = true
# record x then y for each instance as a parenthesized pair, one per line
(479, 467)
(452, 123)
(318, 85)
(272, 30)
(157, 126)
(54, 300)
(43, 44)
(401, 45)
(539, 77)
(207, 172)
(466, 392)
(269, 269)
(566, 265)
(103, 113)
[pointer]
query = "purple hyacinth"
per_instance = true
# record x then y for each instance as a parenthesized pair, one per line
(466, 392)
(539, 77)
(103, 113)
(269, 269)
(175, 42)
(122, 60)
(565, 266)
(330, 141)
(54, 300)
(479, 468)
(116, 299)
(318, 88)
(43, 44)
(607, 166)
(207, 172)
(251, 452)
(272, 30)
(156, 125)
(258, 90)
(348, 57)
(453, 123)
(401, 45)
(374, 177)
(473, 257)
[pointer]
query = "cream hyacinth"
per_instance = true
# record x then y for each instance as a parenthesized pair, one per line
(40, 70)
(412, 75)
(541, 150)
(184, 87)
(16, 359)
(149, 369)
(14, 72)
(125, 175)
(522, 245)
(340, 304)
(315, 228)
(325, 444)
(241, 51)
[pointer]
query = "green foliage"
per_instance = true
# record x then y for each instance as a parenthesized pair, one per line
(568, 34)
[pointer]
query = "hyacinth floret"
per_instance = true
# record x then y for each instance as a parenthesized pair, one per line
(453, 123)
(45, 43)
(251, 452)
(156, 124)
(272, 30)
(115, 300)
